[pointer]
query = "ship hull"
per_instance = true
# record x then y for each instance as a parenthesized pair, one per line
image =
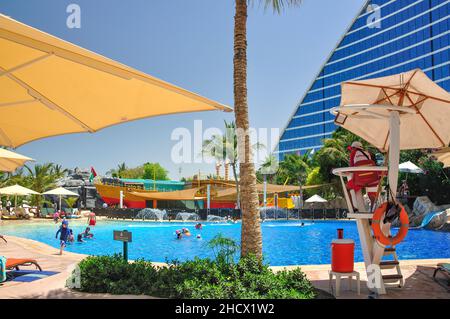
(110, 194)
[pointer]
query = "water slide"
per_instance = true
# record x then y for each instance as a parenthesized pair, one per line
(427, 219)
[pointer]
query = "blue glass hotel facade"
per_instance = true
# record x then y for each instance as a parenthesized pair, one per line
(387, 37)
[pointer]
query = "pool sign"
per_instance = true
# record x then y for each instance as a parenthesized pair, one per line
(123, 235)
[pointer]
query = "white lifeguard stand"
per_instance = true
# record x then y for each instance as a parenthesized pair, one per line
(373, 251)
(398, 112)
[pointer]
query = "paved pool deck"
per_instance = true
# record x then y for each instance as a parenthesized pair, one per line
(417, 274)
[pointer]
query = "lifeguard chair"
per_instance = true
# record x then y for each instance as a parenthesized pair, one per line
(373, 251)
(398, 112)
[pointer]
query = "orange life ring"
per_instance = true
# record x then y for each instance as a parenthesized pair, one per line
(376, 226)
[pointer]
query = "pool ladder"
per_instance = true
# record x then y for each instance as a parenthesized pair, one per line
(396, 278)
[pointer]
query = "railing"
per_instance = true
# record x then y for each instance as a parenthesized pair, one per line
(317, 214)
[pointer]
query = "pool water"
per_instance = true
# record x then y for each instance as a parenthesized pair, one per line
(284, 242)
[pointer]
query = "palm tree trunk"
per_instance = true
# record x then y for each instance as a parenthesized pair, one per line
(251, 238)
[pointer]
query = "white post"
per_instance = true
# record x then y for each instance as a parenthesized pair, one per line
(394, 150)
(265, 192)
(60, 208)
(208, 196)
(121, 200)
(275, 200)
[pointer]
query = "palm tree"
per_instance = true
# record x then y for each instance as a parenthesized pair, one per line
(117, 172)
(59, 171)
(294, 166)
(40, 179)
(251, 238)
(224, 149)
(269, 167)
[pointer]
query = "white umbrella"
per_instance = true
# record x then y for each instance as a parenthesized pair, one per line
(10, 161)
(397, 112)
(17, 190)
(60, 191)
(410, 167)
(315, 199)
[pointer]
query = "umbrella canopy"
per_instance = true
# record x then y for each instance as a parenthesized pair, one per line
(316, 199)
(410, 167)
(10, 161)
(423, 106)
(397, 112)
(61, 191)
(17, 190)
(443, 155)
(51, 87)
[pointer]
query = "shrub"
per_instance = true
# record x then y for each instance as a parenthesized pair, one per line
(221, 278)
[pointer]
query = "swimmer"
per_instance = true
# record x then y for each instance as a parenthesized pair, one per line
(198, 226)
(199, 236)
(179, 235)
(56, 217)
(87, 233)
(302, 224)
(80, 238)
(71, 238)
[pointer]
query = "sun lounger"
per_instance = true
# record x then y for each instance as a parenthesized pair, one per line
(445, 269)
(10, 217)
(15, 263)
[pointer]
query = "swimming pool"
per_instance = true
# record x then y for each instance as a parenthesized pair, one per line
(284, 242)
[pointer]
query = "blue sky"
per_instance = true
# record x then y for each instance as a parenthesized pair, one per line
(190, 44)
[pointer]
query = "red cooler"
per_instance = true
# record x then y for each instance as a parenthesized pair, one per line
(342, 255)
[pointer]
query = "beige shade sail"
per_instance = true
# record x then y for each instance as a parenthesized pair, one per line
(423, 106)
(443, 155)
(185, 194)
(17, 190)
(270, 189)
(10, 161)
(51, 87)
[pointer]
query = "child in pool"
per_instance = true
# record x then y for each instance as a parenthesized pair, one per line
(71, 238)
(87, 233)
(80, 238)
(65, 232)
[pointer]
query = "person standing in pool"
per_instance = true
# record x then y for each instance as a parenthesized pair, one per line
(64, 232)
(92, 219)
(87, 233)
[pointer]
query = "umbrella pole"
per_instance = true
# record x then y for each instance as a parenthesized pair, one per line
(394, 160)
(60, 202)
(394, 151)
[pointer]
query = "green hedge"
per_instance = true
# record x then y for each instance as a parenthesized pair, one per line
(198, 278)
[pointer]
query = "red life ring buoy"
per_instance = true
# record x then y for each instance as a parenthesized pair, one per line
(376, 226)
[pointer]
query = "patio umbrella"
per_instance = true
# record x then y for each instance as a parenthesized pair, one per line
(17, 190)
(10, 161)
(51, 87)
(397, 112)
(315, 199)
(60, 191)
(443, 155)
(410, 167)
